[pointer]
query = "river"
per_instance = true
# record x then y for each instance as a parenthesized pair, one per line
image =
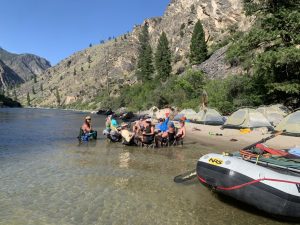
(48, 178)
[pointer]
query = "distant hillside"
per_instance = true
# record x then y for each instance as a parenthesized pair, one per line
(8, 77)
(25, 65)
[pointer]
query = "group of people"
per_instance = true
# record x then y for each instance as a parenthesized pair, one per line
(144, 132)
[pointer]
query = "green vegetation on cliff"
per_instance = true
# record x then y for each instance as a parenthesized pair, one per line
(270, 52)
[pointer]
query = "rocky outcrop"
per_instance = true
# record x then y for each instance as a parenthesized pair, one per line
(216, 66)
(105, 68)
(25, 65)
(8, 77)
(219, 18)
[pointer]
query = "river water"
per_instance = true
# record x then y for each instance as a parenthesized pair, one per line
(48, 178)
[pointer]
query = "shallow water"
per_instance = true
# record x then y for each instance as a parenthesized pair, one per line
(48, 178)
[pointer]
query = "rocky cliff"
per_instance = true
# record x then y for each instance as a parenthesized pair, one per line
(25, 65)
(84, 75)
(8, 77)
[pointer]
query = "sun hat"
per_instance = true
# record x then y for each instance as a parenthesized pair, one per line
(183, 118)
(171, 125)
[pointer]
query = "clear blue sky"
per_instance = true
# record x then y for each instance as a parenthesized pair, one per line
(54, 29)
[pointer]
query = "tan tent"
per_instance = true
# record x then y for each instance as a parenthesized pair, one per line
(247, 118)
(291, 124)
(281, 108)
(273, 114)
(208, 116)
(187, 113)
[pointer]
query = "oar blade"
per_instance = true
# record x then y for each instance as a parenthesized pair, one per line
(185, 177)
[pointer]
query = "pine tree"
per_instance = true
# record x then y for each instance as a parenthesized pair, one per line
(89, 59)
(163, 58)
(41, 87)
(145, 68)
(275, 69)
(198, 48)
(57, 96)
(33, 91)
(34, 78)
(28, 99)
(15, 95)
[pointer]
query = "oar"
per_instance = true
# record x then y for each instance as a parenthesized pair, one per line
(264, 140)
(185, 176)
(192, 174)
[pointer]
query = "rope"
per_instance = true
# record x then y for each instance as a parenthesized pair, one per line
(249, 183)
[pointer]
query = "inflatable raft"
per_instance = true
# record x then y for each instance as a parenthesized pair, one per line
(273, 190)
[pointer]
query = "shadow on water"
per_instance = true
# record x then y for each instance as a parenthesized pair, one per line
(251, 209)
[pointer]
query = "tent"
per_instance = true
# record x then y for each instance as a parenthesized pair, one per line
(291, 124)
(273, 114)
(281, 108)
(162, 113)
(208, 116)
(247, 118)
(188, 113)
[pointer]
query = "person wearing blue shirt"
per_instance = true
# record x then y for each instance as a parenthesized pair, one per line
(163, 124)
(162, 127)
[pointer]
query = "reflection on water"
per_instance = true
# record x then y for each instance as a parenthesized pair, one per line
(48, 178)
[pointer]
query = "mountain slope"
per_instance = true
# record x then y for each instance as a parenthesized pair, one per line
(105, 68)
(8, 77)
(25, 65)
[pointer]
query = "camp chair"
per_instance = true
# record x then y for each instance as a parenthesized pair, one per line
(80, 135)
(168, 141)
(148, 144)
(177, 141)
(86, 137)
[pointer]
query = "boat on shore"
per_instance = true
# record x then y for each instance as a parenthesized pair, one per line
(269, 187)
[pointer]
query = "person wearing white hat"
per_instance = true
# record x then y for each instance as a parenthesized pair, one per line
(87, 126)
(87, 129)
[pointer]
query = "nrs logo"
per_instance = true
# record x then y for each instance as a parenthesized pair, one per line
(298, 187)
(215, 161)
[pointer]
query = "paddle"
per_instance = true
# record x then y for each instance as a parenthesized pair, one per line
(185, 176)
(192, 173)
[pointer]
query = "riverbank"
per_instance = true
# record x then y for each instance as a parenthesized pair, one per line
(232, 139)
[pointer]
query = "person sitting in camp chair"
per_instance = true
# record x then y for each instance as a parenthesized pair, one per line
(114, 134)
(168, 137)
(86, 131)
(181, 133)
(147, 137)
(127, 136)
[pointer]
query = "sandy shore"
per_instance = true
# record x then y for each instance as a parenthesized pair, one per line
(205, 135)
